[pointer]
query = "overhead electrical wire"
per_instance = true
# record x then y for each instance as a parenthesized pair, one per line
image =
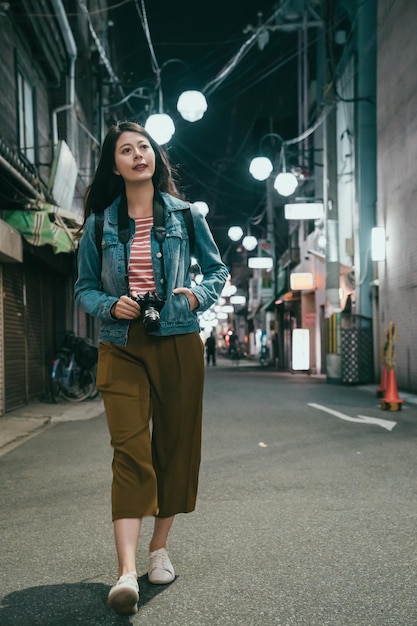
(100, 47)
(91, 12)
(141, 10)
(154, 62)
(243, 50)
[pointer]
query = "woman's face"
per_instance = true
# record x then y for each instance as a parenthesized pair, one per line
(134, 157)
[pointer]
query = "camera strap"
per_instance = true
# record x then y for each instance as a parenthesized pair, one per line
(159, 230)
(123, 227)
(158, 220)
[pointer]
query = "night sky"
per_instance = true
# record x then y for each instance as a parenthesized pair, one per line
(192, 43)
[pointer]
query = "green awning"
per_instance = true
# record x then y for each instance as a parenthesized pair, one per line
(41, 228)
(70, 218)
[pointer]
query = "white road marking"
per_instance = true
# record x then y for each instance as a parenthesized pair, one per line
(360, 419)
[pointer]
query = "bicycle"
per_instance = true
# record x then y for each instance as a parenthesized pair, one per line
(73, 374)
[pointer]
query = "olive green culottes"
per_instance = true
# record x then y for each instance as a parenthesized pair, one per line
(152, 390)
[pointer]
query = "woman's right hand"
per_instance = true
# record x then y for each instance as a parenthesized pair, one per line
(125, 309)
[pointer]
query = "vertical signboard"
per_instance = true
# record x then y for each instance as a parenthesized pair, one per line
(301, 349)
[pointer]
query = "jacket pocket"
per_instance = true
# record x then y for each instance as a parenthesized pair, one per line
(177, 310)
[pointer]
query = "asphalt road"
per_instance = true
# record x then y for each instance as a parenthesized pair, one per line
(304, 518)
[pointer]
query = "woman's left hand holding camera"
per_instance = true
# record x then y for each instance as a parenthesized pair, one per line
(125, 309)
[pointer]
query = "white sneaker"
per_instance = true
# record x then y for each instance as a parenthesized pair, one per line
(124, 595)
(160, 569)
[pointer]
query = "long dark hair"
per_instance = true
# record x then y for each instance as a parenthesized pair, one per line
(106, 185)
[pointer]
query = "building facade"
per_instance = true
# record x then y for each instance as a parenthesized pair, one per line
(397, 190)
(50, 122)
(325, 279)
(361, 101)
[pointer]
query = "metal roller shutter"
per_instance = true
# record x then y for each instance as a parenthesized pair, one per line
(14, 337)
(39, 330)
(29, 332)
(34, 333)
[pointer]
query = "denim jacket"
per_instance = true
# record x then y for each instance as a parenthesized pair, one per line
(99, 287)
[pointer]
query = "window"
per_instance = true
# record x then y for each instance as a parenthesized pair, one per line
(26, 117)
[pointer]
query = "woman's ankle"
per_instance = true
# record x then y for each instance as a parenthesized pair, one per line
(156, 546)
(127, 570)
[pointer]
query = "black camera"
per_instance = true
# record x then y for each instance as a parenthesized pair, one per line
(150, 306)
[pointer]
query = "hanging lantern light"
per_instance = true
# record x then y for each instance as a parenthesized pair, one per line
(160, 127)
(192, 105)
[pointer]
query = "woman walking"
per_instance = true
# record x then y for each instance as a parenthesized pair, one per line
(151, 357)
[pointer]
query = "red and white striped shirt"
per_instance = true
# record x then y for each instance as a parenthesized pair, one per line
(141, 277)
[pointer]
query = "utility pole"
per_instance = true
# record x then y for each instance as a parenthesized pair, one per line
(332, 299)
(365, 158)
(332, 304)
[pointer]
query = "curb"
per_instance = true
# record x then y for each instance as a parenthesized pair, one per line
(16, 430)
(28, 421)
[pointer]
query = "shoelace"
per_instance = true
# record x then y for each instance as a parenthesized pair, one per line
(160, 561)
(128, 577)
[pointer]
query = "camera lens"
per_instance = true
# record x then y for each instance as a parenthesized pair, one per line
(151, 319)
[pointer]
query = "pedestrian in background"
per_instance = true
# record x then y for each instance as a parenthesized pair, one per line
(146, 373)
(211, 349)
(234, 348)
(233, 343)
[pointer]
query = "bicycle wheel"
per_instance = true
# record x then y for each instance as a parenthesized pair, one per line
(89, 383)
(93, 395)
(94, 392)
(56, 376)
(82, 385)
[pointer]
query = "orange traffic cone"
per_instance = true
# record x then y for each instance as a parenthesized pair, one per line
(383, 384)
(391, 401)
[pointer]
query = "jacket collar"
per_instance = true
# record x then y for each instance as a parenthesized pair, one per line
(113, 210)
(170, 202)
(173, 204)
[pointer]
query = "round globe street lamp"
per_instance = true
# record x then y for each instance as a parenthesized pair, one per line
(286, 183)
(192, 105)
(160, 127)
(235, 233)
(261, 168)
(202, 207)
(249, 243)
